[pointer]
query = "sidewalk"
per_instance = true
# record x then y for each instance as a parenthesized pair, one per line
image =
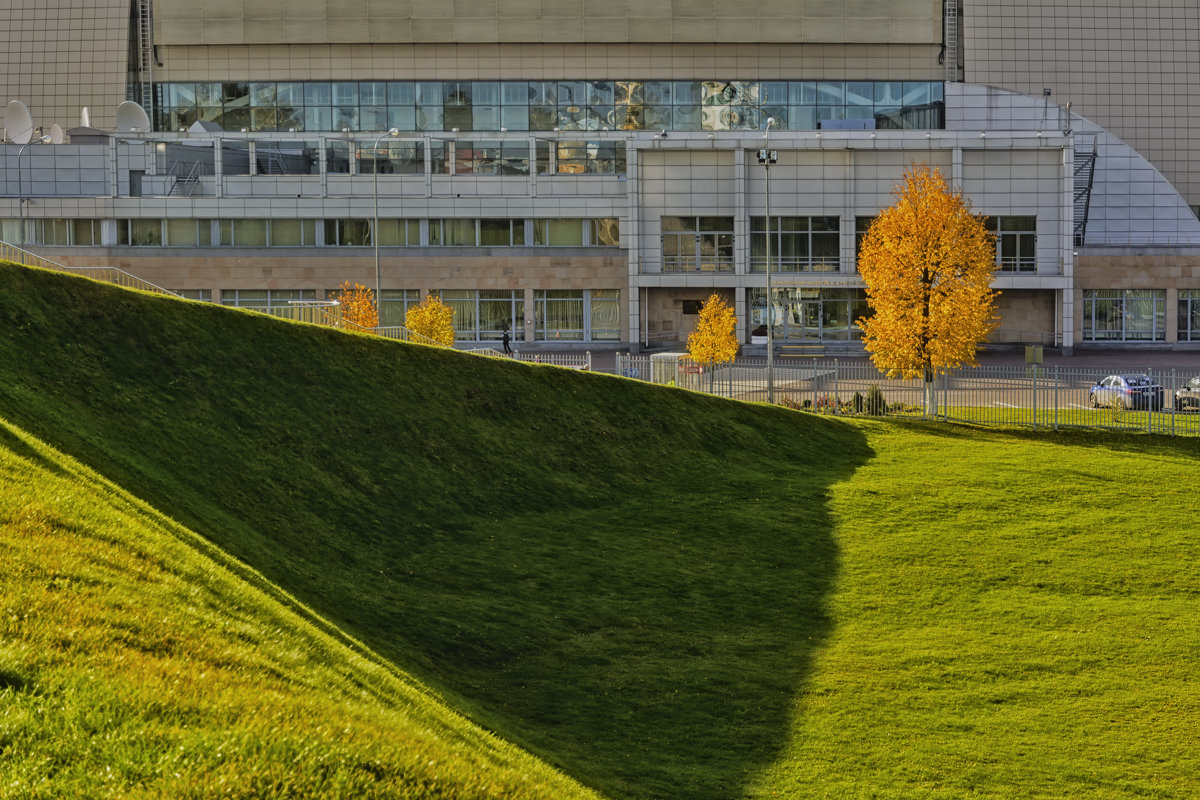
(1113, 360)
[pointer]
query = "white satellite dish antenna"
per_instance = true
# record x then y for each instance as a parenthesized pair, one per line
(85, 118)
(56, 134)
(132, 118)
(18, 122)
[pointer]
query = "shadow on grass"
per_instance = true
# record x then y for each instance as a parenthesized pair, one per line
(22, 449)
(651, 649)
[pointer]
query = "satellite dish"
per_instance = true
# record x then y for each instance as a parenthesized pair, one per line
(18, 122)
(85, 118)
(56, 134)
(132, 118)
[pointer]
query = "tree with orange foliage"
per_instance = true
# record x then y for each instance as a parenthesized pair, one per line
(358, 305)
(927, 263)
(714, 339)
(432, 319)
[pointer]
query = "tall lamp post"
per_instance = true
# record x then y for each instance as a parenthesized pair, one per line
(21, 184)
(767, 157)
(375, 226)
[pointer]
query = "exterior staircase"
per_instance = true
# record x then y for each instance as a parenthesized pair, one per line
(1085, 173)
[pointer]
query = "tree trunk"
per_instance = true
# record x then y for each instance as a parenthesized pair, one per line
(930, 393)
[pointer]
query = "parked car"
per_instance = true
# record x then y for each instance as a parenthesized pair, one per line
(1188, 398)
(1127, 391)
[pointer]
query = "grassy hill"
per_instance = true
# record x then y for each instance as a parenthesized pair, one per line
(136, 661)
(664, 594)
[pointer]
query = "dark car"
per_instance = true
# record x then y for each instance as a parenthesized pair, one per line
(1188, 397)
(1126, 391)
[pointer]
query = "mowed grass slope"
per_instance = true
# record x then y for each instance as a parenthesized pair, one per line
(627, 580)
(665, 594)
(1016, 615)
(135, 663)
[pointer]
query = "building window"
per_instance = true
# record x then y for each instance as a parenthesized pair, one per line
(558, 232)
(70, 232)
(188, 233)
(581, 158)
(1016, 243)
(453, 233)
(798, 244)
(265, 298)
(288, 158)
(140, 232)
(1189, 315)
(483, 315)
(568, 105)
(862, 226)
(502, 232)
(51, 231)
(592, 315)
(243, 232)
(697, 244)
(811, 314)
(1124, 315)
(348, 232)
(204, 295)
(292, 233)
(399, 233)
(605, 232)
(394, 305)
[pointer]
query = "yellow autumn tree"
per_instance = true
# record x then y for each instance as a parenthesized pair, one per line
(433, 319)
(714, 339)
(927, 263)
(358, 305)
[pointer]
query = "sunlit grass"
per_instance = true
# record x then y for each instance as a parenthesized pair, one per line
(133, 665)
(1015, 616)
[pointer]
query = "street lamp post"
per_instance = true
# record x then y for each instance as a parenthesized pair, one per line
(21, 185)
(375, 226)
(767, 157)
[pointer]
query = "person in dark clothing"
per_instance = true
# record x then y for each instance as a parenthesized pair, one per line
(505, 339)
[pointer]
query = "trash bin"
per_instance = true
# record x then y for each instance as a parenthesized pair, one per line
(1033, 354)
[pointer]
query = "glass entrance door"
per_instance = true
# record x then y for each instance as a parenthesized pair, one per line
(810, 319)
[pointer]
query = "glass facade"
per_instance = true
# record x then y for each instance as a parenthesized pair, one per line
(1124, 315)
(569, 105)
(810, 314)
(265, 298)
(453, 232)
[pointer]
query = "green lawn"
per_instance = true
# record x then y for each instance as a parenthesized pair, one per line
(135, 661)
(662, 593)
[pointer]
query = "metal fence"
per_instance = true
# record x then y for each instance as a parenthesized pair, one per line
(1030, 396)
(318, 312)
(558, 359)
(17, 255)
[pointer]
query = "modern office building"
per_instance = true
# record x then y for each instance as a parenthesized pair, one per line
(585, 172)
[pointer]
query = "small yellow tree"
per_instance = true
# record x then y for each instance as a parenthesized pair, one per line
(432, 318)
(358, 305)
(714, 339)
(927, 263)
